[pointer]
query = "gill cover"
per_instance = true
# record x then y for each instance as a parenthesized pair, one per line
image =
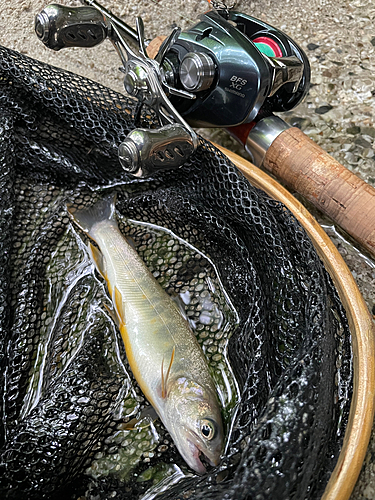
(192, 416)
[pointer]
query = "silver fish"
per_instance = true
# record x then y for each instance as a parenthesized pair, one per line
(162, 351)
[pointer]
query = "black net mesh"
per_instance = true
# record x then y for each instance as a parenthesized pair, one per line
(259, 300)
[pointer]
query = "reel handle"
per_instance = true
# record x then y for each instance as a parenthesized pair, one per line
(58, 26)
(145, 152)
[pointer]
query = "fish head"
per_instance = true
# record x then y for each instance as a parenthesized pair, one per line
(193, 418)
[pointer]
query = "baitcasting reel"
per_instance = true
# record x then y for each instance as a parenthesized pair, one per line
(227, 70)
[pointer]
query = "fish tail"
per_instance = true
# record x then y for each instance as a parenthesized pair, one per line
(86, 218)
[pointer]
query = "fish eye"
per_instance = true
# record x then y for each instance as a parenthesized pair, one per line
(208, 429)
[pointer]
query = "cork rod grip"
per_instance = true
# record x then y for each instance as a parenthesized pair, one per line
(312, 172)
(154, 46)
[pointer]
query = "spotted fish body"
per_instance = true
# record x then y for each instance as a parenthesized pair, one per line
(162, 351)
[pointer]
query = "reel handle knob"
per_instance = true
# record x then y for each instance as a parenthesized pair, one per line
(58, 26)
(147, 151)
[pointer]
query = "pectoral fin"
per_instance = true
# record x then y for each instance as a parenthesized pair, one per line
(146, 417)
(165, 381)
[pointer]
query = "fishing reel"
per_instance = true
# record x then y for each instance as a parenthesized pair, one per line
(237, 67)
(227, 70)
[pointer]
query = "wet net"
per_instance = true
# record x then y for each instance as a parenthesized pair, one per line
(256, 294)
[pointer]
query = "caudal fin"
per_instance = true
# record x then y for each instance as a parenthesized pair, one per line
(86, 218)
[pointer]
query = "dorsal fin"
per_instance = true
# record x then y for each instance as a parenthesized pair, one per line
(165, 381)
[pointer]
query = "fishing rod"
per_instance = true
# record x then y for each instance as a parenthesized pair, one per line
(229, 70)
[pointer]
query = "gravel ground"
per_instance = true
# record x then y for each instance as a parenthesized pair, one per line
(339, 39)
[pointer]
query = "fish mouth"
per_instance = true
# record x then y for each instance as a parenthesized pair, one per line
(194, 458)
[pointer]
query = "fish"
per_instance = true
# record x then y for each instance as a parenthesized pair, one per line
(162, 350)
